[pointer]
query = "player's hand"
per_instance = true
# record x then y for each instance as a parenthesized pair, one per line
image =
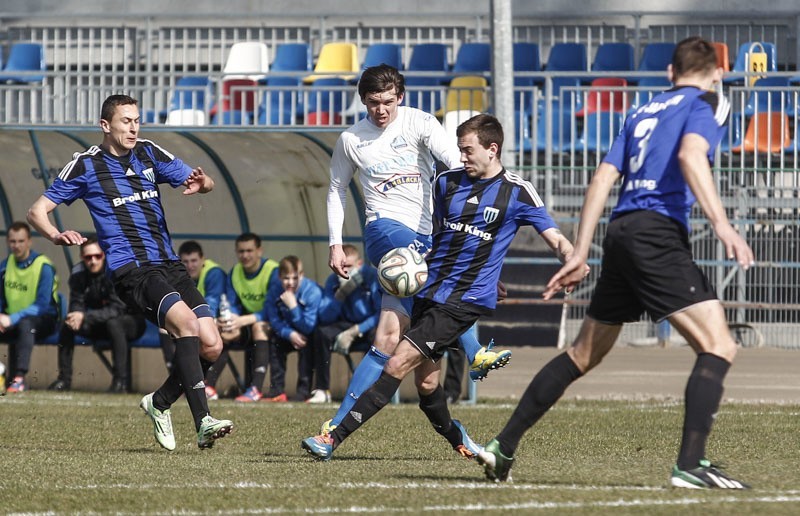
(289, 299)
(345, 339)
(68, 237)
(195, 182)
(571, 273)
(5, 322)
(336, 261)
(74, 320)
(298, 340)
(735, 247)
(502, 292)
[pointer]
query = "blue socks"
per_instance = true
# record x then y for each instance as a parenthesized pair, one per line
(366, 374)
(469, 343)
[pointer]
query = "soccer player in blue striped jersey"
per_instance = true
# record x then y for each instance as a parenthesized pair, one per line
(118, 181)
(663, 155)
(478, 210)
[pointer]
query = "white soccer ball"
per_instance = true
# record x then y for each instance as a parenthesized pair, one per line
(402, 272)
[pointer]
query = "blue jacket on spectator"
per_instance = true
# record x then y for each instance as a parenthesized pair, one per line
(362, 306)
(303, 318)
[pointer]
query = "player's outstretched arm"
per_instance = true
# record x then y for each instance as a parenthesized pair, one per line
(697, 172)
(337, 261)
(198, 182)
(38, 218)
(574, 269)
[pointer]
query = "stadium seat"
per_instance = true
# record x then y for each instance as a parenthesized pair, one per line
(526, 59)
(564, 96)
(741, 57)
(601, 97)
(472, 58)
(248, 60)
(723, 57)
(562, 124)
(566, 57)
(656, 57)
(24, 57)
(186, 117)
(383, 53)
(614, 57)
(192, 93)
(766, 133)
(778, 99)
(732, 135)
(292, 57)
(280, 106)
(239, 96)
(335, 58)
(452, 119)
(427, 58)
(326, 101)
(599, 131)
(467, 92)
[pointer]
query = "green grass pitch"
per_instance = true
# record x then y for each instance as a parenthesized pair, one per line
(95, 453)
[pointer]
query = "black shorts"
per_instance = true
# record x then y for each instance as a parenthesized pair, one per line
(153, 289)
(647, 266)
(436, 326)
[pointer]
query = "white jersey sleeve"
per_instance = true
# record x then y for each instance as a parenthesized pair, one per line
(342, 170)
(441, 144)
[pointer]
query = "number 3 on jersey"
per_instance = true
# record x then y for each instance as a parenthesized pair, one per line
(643, 131)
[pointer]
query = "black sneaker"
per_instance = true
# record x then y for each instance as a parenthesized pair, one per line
(704, 476)
(59, 385)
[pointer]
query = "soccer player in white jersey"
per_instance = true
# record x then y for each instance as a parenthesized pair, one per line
(394, 150)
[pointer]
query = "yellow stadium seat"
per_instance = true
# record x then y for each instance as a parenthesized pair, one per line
(336, 58)
(465, 93)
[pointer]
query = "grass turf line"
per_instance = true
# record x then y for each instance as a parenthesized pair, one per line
(84, 452)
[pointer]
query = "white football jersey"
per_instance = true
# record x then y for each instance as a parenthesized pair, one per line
(396, 167)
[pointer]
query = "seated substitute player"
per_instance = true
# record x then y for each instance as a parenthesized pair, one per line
(248, 283)
(96, 312)
(479, 208)
(291, 307)
(118, 181)
(663, 155)
(28, 301)
(393, 150)
(348, 317)
(210, 280)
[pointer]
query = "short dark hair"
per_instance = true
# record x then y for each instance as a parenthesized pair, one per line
(249, 237)
(290, 263)
(111, 103)
(693, 55)
(380, 78)
(190, 247)
(90, 240)
(486, 127)
(19, 225)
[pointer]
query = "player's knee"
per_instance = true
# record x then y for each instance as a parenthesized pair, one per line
(426, 386)
(724, 348)
(386, 341)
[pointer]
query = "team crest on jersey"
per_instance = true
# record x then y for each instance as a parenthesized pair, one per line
(399, 143)
(148, 173)
(490, 214)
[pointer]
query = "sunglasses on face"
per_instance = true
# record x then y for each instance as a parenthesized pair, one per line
(92, 257)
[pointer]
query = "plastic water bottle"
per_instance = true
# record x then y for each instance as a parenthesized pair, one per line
(224, 308)
(2, 378)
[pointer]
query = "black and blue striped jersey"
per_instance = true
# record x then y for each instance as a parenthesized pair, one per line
(476, 221)
(646, 150)
(122, 195)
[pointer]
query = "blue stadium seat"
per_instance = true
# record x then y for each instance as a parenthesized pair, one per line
(526, 59)
(732, 135)
(562, 130)
(326, 101)
(599, 130)
(383, 53)
(473, 57)
(277, 103)
(292, 57)
(614, 57)
(744, 48)
(192, 93)
(775, 100)
(24, 57)
(566, 57)
(426, 57)
(656, 57)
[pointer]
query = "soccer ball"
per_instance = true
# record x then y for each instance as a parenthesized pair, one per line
(402, 272)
